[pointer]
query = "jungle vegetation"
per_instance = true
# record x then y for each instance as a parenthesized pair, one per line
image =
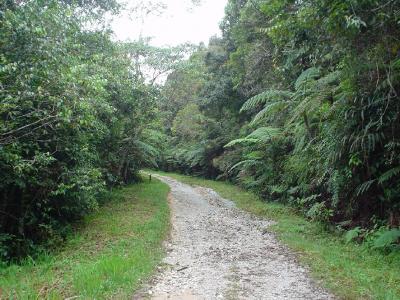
(77, 115)
(297, 101)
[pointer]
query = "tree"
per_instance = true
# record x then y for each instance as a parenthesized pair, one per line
(73, 115)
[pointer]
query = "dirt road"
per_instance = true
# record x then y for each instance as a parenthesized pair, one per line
(217, 251)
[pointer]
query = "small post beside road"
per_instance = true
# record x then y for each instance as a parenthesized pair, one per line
(149, 177)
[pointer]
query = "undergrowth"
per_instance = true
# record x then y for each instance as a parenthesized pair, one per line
(349, 270)
(107, 257)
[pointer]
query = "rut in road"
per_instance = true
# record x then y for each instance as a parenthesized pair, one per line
(217, 251)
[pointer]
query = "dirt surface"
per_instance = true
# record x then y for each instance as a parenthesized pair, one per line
(217, 251)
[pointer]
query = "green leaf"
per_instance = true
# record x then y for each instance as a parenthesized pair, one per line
(352, 234)
(386, 238)
(264, 97)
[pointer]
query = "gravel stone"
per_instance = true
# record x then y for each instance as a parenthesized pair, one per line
(217, 251)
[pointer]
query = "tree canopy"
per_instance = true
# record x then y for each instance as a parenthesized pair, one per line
(300, 103)
(296, 100)
(77, 116)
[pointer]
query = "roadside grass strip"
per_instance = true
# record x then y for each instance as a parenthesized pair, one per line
(107, 257)
(349, 270)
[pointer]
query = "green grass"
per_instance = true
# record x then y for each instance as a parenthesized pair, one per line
(350, 271)
(112, 252)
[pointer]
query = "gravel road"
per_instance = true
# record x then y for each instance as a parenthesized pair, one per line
(217, 251)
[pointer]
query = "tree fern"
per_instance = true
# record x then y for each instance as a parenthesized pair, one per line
(305, 77)
(269, 110)
(264, 97)
(242, 141)
(195, 157)
(145, 151)
(309, 105)
(389, 175)
(245, 164)
(265, 134)
(254, 155)
(332, 78)
(364, 187)
(260, 135)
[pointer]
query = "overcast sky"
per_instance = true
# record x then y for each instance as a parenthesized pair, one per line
(180, 22)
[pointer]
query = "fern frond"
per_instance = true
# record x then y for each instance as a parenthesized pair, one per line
(396, 64)
(329, 79)
(389, 174)
(260, 135)
(270, 109)
(310, 104)
(254, 155)
(361, 189)
(194, 157)
(307, 76)
(264, 97)
(245, 163)
(145, 151)
(145, 148)
(265, 134)
(242, 141)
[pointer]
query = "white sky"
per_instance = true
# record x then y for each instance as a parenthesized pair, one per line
(180, 22)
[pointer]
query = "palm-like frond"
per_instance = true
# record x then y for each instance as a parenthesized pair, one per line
(260, 135)
(264, 97)
(310, 104)
(245, 164)
(364, 187)
(195, 157)
(269, 110)
(242, 141)
(308, 75)
(389, 174)
(145, 151)
(265, 134)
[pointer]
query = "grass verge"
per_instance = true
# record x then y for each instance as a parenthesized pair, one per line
(108, 256)
(350, 271)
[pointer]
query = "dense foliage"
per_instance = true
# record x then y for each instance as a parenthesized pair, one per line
(75, 115)
(299, 101)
